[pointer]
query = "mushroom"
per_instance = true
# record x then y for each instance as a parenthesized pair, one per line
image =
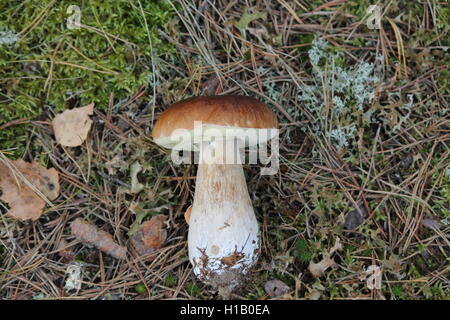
(223, 239)
(187, 214)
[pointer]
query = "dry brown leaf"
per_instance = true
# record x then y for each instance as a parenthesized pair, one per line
(211, 86)
(394, 263)
(337, 246)
(431, 223)
(318, 269)
(72, 126)
(91, 235)
(23, 201)
(313, 294)
(65, 250)
(150, 236)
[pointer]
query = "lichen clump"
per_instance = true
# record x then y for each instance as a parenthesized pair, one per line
(339, 95)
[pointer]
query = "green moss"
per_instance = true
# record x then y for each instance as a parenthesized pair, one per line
(303, 251)
(398, 292)
(140, 288)
(193, 290)
(170, 280)
(52, 66)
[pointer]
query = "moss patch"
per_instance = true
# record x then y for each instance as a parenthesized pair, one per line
(45, 64)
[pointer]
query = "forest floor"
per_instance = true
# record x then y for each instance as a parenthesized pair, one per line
(361, 94)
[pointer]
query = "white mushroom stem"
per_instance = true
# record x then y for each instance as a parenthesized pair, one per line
(223, 232)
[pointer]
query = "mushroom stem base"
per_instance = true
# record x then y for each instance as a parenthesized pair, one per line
(223, 232)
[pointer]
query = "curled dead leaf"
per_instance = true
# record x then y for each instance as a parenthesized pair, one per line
(318, 269)
(150, 236)
(337, 246)
(313, 294)
(26, 187)
(72, 126)
(91, 235)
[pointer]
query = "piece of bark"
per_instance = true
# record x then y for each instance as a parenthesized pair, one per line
(91, 235)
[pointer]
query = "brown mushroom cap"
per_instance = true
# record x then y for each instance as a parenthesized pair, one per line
(227, 111)
(187, 214)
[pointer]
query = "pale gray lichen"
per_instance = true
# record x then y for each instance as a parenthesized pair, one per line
(318, 50)
(272, 92)
(362, 84)
(343, 90)
(338, 105)
(342, 135)
(8, 37)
